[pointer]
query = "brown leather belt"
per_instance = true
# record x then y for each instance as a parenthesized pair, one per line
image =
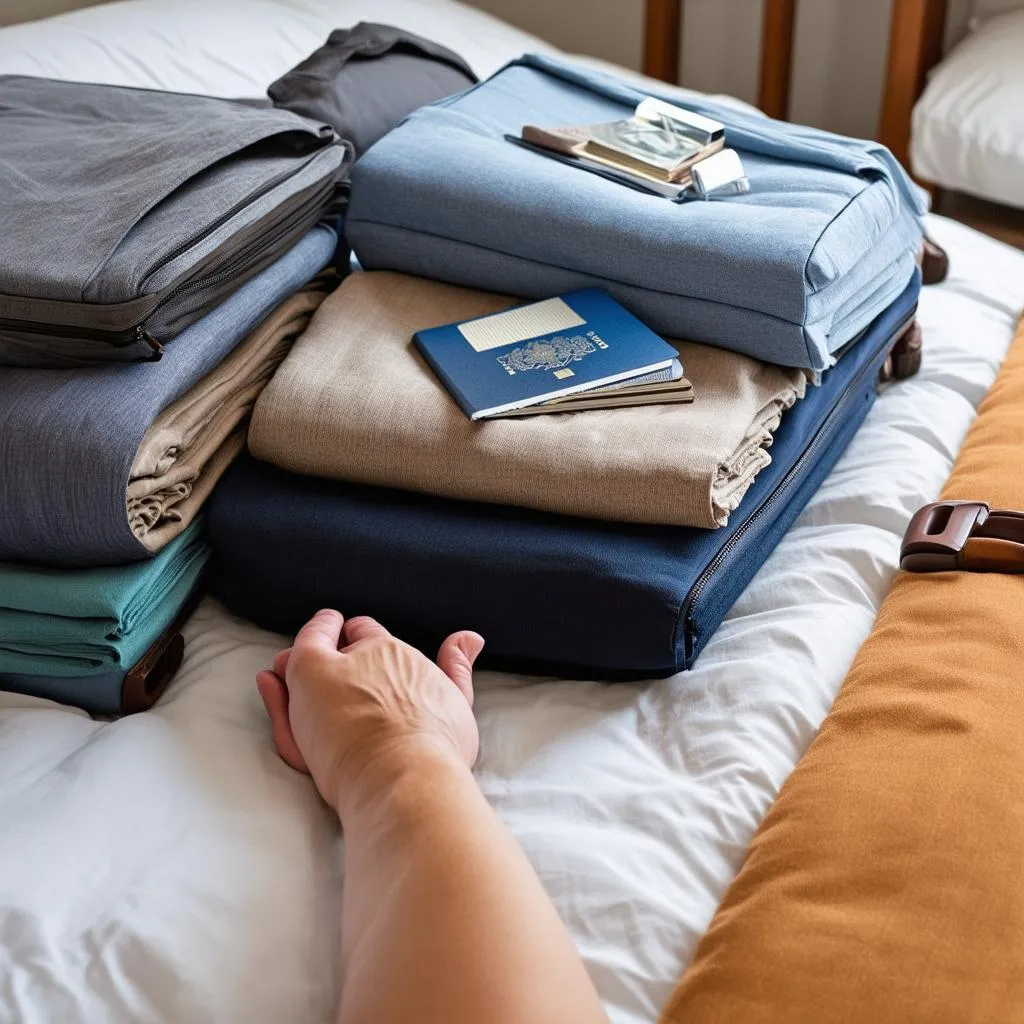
(965, 535)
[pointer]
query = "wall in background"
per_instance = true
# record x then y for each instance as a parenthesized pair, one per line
(838, 65)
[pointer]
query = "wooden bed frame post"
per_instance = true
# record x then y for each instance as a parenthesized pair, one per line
(915, 46)
(663, 22)
(776, 57)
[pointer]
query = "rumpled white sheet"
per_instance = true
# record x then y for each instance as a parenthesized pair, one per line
(168, 867)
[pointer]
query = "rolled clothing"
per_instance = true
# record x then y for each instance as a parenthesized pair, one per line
(364, 80)
(194, 439)
(94, 621)
(69, 438)
(354, 401)
(823, 243)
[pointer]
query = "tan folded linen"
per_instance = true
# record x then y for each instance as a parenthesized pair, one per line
(193, 441)
(355, 401)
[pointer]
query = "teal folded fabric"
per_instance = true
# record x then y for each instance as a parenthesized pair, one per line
(79, 622)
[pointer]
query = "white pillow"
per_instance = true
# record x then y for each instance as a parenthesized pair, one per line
(234, 47)
(968, 127)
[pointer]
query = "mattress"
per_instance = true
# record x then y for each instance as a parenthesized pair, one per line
(169, 867)
(968, 126)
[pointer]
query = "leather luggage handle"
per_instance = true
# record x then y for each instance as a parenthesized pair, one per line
(964, 535)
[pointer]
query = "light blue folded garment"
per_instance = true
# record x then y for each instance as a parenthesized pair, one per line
(68, 437)
(788, 273)
(62, 623)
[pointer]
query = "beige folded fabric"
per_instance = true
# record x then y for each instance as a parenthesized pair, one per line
(354, 401)
(193, 441)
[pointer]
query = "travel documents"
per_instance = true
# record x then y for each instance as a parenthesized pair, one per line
(545, 356)
(659, 149)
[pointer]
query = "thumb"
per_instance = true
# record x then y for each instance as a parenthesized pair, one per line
(275, 699)
(456, 657)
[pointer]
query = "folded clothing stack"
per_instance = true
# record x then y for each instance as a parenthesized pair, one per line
(106, 463)
(354, 401)
(551, 591)
(76, 635)
(109, 466)
(189, 257)
(790, 273)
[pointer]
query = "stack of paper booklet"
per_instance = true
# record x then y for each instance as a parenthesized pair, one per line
(578, 351)
(662, 148)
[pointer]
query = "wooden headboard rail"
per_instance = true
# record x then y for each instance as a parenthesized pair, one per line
(915, 47)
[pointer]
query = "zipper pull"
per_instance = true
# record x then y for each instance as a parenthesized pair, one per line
(145, 338)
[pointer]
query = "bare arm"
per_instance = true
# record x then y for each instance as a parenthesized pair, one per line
(444, 920)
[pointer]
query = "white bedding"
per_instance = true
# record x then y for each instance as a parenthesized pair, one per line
(167, 867)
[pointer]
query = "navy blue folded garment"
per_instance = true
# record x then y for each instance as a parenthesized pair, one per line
(550, 593)
(68, 437)
(790, 273)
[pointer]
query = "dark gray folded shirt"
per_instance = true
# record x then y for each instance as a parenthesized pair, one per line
(364, 80)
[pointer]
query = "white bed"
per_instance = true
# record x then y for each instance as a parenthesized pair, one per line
(168, 867)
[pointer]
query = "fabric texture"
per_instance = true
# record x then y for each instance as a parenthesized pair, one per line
(69, 438)
(93, 621)
(789, 273)
(227, 188)
(365, 79)
(551, 593)
(355, 401)
(883, 885)
(194, 439)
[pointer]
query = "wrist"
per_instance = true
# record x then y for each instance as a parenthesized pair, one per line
(399, 774)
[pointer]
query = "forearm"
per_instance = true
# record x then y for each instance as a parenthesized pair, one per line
(444, 921)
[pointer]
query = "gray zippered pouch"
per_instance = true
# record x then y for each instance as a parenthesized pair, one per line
(129, 213)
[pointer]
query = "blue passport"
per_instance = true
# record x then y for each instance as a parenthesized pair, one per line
(542, 350)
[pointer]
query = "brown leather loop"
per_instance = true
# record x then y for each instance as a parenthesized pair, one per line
(148, 678)
(965, 535)
(990, 554)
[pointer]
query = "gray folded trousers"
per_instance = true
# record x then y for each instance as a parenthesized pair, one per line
(129, 213)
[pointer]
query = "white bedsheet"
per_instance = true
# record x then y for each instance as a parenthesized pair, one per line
(167, 867)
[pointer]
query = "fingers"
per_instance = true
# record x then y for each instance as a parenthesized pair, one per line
(275, 699)
(281, 662)
(362, 627)
(456, 657)
(321, 634)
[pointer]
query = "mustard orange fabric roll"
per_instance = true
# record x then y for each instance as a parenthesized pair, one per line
(886, 885)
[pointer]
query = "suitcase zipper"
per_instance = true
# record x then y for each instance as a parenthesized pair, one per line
(137, 333)
(819, 437)
(241, 205)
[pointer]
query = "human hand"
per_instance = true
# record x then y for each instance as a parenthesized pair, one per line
(354, 717)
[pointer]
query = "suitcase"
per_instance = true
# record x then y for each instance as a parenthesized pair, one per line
(551, 594)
